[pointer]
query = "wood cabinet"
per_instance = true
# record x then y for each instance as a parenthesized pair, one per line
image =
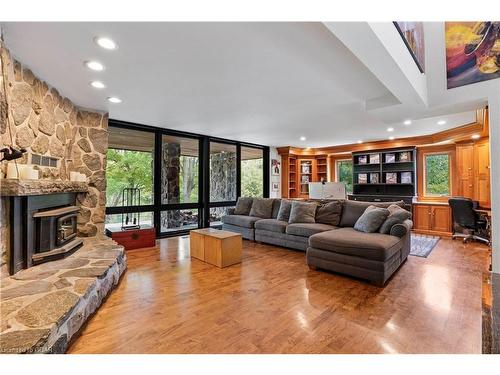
(297, 171)
(473, 169)
(431, 219)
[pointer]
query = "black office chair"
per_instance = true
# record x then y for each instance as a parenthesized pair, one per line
(467, 223)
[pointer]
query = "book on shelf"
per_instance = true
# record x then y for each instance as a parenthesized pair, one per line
(362, 178)
(374, 178)
(404, 156)
(390, 158)
(362, 159)
(406, 178)
(391, 178)
(374, 158)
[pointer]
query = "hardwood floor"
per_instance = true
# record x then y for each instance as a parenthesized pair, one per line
(272, 303)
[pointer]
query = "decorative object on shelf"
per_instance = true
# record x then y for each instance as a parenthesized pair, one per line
(362, 178)
(10, 153)
(131, 197)
(362, 159)
(306, 168)
(275, 186)
(275, 167)
(404, 156)
(391, 178)
(406, 178)
(374, 158)
(390, 158)
(374, 178)
(305, 179)
(472, 52)
(413, 37)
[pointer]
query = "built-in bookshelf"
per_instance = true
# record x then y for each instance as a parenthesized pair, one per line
(305, 175)
(292, 180)
(322, 168)
(386, 173)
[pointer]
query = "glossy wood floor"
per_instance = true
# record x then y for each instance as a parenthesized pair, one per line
(272, 303)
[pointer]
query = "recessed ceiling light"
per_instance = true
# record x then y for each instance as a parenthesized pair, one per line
(407, 122)
(391, 138)
(105, 43)
(97, 84)
(94, 65)
(441, 122)
(390, 129)
(360, 141)
(475, 136)
(114, 99)
(303, 138)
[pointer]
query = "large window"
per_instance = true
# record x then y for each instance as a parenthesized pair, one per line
(437, 179)
(252, 172)
(223, 163)
(344, 173)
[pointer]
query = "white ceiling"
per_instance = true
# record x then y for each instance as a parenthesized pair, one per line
(266, 83)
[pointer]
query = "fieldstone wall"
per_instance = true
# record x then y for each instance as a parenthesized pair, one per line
(223, 176)
(36, 117)
(170, 183)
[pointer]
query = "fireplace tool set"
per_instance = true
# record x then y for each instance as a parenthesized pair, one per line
(131, 197)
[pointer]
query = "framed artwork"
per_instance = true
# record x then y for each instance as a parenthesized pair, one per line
(412, 34)
(362, 178)
(391, 178)
(404, 156)
(390, 158)
(374, 158)
(406, 178)
(305, 179)
(362, 159)
(275, 167)
(374, 178)
(472, 52)
(275, 186)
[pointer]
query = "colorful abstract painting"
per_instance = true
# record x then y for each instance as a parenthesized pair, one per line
(472, 52)
(413, 36)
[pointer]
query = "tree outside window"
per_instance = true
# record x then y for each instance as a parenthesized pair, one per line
(437, 175)
(344, 174)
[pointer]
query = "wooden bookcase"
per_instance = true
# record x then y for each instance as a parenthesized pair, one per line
(298, 171)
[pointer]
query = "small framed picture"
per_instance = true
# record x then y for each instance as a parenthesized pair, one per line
(391, 178)
(306, 168)
(362, 178)
(406, 178)
(374, 158)
(404, 156)
(275, 186)
(374, 178)
(362, 159)
(275, 167)
(305, 179)
(390, 158)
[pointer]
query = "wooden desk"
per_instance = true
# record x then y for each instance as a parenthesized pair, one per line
(218, 247)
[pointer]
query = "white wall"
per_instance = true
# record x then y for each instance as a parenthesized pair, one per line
(273, 154)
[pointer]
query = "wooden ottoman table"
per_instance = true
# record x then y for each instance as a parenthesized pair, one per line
(218, 247)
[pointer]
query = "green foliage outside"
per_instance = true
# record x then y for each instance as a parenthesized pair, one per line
(437, 175)
(345, 174)
(252, 172)
(188, 179)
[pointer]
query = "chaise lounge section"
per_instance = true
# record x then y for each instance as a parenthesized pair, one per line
(332, 244)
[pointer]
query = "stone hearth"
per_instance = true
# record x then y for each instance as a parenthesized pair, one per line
(43, 307)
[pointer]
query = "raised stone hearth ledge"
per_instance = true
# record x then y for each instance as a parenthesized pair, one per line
(43, 307)
(13, 187)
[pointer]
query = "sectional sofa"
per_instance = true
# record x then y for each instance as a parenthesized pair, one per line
(332, 243)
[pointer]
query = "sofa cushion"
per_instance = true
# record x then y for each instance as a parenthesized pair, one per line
(271, 225)
(397, 215)
(329, 213)
(276, 208)
(240, 220)
(375, 246)
(284, 212)
(302, 212)
(262, 207)
(352, 210)
(243, 206)
(372, 219)
(307, 229)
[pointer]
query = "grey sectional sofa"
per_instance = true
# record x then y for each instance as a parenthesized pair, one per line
(334, 246)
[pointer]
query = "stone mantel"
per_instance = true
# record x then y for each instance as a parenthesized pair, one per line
(16, 188)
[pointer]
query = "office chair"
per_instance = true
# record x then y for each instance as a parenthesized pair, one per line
(467, 223)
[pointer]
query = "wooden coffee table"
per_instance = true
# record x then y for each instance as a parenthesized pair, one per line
(218, 247)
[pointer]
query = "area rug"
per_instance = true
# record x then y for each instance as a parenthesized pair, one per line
(422, 245)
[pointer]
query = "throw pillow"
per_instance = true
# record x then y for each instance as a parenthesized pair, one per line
(329, 213)
(302, 212)
(397, 215)
(262, 207)
(284, 212)
(243, 206)
(352, 210)
(372, 219)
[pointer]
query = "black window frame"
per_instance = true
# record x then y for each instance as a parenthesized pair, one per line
(203, 206)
